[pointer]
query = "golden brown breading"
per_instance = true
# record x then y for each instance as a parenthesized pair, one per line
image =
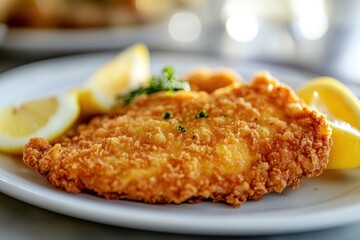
(257, 138)
(205, 80)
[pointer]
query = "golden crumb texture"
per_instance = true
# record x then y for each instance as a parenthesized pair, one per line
(251, 139)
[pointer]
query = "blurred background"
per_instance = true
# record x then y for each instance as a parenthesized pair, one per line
(320, 36)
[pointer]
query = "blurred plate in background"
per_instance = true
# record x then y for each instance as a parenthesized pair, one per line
(57, 41)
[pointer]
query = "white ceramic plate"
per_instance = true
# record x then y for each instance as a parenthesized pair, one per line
(327, 201)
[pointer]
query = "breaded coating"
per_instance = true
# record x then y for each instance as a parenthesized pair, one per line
(206, 80)
(253, 139)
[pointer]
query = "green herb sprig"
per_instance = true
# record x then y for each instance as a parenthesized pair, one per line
(181, 128)
(166, 82)
(167, 115)
(202, 114)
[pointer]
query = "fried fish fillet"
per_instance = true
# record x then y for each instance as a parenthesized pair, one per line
(254, 139)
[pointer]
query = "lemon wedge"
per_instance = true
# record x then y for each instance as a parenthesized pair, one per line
(345, 152)
(51, 117)
(340, 102)
(127, 71)
(342, 109)
(47, 118)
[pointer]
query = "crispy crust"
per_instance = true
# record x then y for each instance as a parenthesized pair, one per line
(258, 138)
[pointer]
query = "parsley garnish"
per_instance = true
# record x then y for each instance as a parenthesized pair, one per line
(202, 114)
(167, 115)
(166, 82)
(181, 128)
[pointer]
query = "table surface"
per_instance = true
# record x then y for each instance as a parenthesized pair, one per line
(19, 220)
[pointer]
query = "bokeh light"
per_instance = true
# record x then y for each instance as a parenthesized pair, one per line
(185, 27)
(242, 28)
(311, 20)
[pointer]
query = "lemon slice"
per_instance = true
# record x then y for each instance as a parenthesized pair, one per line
(127, 71)
(342, 109)
(339, 101)
(47, 118)
(51, 117)
(345, 152)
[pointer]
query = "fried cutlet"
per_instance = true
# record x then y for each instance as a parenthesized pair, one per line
(228, 143)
